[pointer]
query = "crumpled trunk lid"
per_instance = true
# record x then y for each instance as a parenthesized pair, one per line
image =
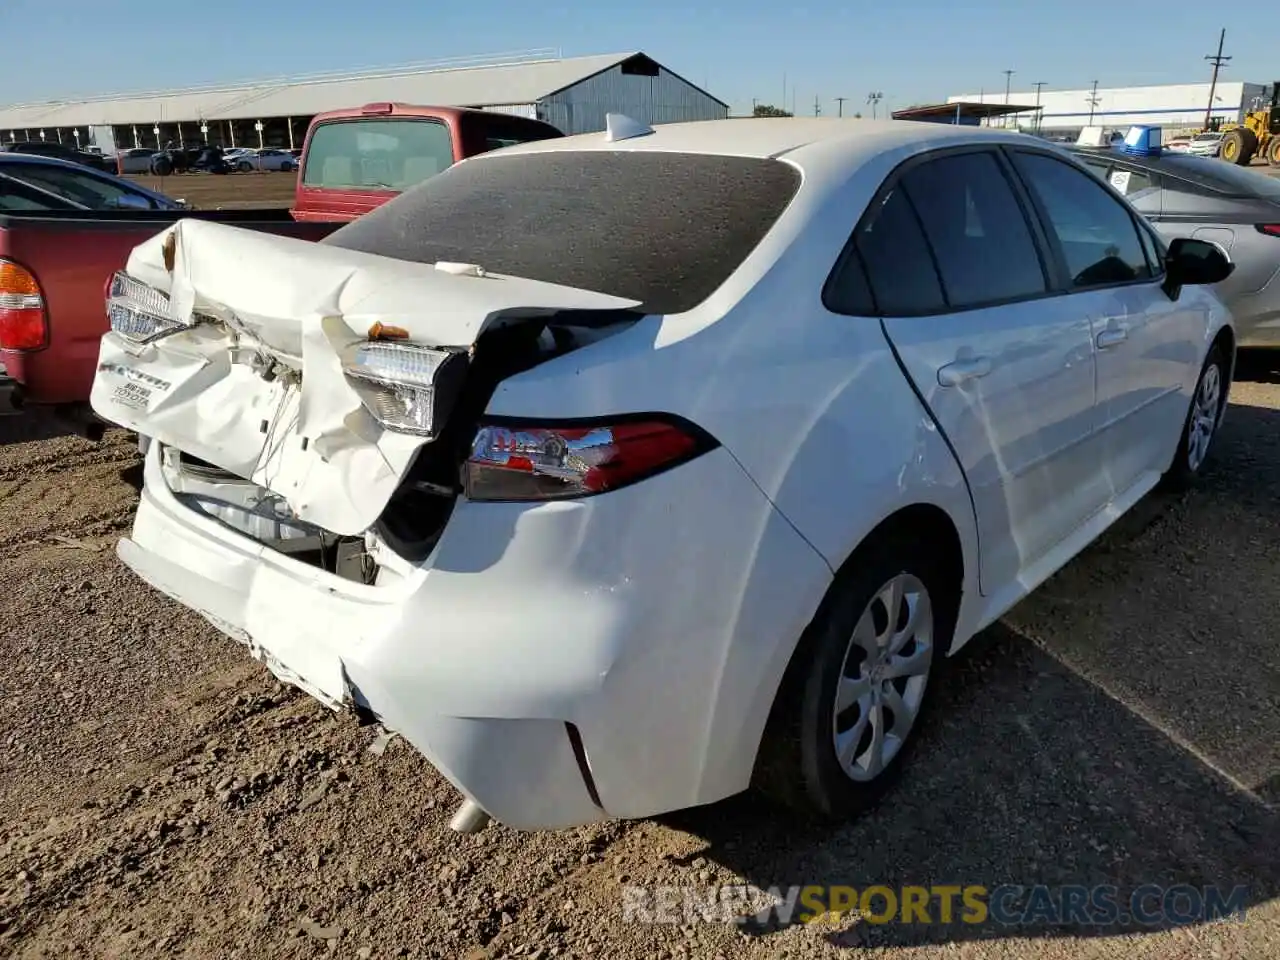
(258, 386)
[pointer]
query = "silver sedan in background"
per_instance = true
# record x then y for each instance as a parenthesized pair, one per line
(1190, 196)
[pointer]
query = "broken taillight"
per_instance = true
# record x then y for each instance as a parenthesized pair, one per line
(23, 321)
(532, 461)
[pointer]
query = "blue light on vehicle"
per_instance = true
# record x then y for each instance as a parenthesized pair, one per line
(1142, 142)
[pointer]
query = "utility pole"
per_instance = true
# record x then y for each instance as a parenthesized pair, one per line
(1218, 61)
(1008, 80)
(840, 106)
(874, 99)
(1093, 102)
(1038, 85)
(817, 110)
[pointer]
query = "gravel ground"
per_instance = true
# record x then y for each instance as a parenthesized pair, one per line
(161, 795)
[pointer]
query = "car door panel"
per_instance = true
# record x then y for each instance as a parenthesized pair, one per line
(1142, 378)
(1145, 343)
(1005, 369)
(1022, 427)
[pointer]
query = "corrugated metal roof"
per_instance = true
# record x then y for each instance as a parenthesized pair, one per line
(508, 83)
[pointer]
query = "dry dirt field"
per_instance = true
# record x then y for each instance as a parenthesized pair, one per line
(228, 191)
(162, 796)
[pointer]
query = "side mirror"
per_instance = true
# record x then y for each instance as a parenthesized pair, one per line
(1194, 263)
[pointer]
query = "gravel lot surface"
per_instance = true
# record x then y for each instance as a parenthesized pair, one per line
(161, 795)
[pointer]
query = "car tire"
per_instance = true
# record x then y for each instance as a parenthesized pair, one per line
(813, 724)
(162, 168)
(244, 166)
(1204, 416)
(1239, 146)
(1273, 151)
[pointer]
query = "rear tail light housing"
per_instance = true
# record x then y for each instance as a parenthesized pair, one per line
(138, 312)
(23, 317)
(1270, 229)
(530, 461)
(404, 386)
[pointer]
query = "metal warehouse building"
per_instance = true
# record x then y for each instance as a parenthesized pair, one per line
(1176, 106)
(574, 94)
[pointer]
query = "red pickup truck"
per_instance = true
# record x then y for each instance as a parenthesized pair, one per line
(357, 159)
(54, 268)
(55, 263)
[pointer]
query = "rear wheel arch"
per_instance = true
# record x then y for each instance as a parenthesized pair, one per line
(924, 523)
(923, 527)
(932, 527)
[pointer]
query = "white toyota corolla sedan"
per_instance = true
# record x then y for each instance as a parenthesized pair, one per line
(623, 471)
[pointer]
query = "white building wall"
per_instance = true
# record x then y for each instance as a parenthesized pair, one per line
(527, 110)
(665, 98)
(1173, 105)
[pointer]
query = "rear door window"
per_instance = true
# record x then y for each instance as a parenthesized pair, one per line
(977, 229)
(376, 154)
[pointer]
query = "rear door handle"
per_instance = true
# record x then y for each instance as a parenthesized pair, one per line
(954, 374)
(1112, 337)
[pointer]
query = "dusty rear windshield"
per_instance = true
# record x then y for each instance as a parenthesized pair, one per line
(665, 229)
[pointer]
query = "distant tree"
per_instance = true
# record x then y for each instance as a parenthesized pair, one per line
(769, 110)
(858, 115)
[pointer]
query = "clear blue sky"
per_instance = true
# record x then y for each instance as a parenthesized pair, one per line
(912, 50)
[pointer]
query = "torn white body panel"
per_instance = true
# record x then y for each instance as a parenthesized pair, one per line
(257, 383)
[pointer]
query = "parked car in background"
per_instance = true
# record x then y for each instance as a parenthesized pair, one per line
(265, 160)
(59, 151)
(80, 187)
(358, 159)
(627, 469)
(1237, 208)
(137, 160)
(1207, 144)
(64, 230)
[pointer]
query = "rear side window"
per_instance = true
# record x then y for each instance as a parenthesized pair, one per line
(977, 230)
(17, 196)
(665, 229)
(376, 154)
(899, 267)
(1096, 233)
(77, 184)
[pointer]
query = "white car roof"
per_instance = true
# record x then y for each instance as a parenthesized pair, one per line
(775, 136)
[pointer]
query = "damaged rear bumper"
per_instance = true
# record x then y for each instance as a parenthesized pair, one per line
(340, 641)
(559, 662)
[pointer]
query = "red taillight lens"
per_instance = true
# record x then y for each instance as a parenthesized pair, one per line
(22, 316)
(518, 461)
(1270, 229)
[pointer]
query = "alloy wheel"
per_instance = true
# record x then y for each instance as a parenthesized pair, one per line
(1202, 423)
(883, 678)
